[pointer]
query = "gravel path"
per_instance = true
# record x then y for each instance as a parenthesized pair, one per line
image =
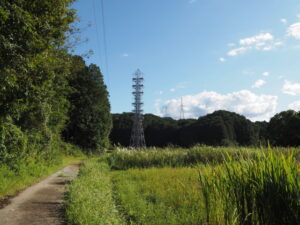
(40, 204)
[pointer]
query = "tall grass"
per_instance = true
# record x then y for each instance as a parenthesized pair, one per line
(264, 191)
(89, 199)
(256, 187)
(122, 158)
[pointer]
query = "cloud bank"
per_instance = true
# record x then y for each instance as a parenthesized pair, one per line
(291, 88)
(254, 107)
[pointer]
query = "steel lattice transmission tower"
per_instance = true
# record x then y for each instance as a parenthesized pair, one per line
(181, 117)
(137, 139)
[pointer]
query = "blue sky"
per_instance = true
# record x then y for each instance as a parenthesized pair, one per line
(237, 55)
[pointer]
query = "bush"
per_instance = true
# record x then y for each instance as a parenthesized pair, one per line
(12, 143)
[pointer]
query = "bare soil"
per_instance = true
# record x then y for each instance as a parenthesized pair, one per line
(40, 204)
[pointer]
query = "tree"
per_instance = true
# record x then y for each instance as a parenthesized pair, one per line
(90, 120)
(284, 129)
(218, 128)
(34, 66)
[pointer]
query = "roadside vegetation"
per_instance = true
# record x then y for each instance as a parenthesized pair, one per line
(31, 169)
(89, 199)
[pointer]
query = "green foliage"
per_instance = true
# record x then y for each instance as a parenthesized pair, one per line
(12, 143)
(175, 157)
(220, 128)
(30, 35)
(34, 67)
(90, 120)
(284, 129)
(89, 198)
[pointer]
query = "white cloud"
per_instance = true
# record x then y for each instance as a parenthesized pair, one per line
(160, 92)
(222, 59)
(258, 83)
(172, 89)
(294, 30)
(237, 51)
(231, 44)
(283, 20)
(261, 42)
(244, 102)
(125, 55)
(295, 106)
(291, 88)
(266, 74)
(298, 16)
(258, 39)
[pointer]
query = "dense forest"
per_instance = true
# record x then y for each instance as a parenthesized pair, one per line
(221, 128)
(50, 101)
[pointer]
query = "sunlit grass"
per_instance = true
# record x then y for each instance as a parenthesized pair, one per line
(89, 198)
(12, 181)
(122, 158)
(160, 195)
(262, 189)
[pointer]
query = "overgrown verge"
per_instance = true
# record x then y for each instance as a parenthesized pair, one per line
(89, 200)
(20, 171)
(122, 158)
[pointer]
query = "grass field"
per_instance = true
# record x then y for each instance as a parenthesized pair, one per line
(202, 185)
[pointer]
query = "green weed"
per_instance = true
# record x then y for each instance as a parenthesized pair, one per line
(89, 199)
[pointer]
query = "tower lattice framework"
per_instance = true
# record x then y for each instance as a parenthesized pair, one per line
(137, 139)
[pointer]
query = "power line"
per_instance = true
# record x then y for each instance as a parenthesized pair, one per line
(97, 31)
(104, 39)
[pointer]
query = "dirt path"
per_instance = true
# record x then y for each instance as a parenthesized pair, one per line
(40, 204)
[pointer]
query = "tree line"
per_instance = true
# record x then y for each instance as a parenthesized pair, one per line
(221, 128)
(48, 97)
